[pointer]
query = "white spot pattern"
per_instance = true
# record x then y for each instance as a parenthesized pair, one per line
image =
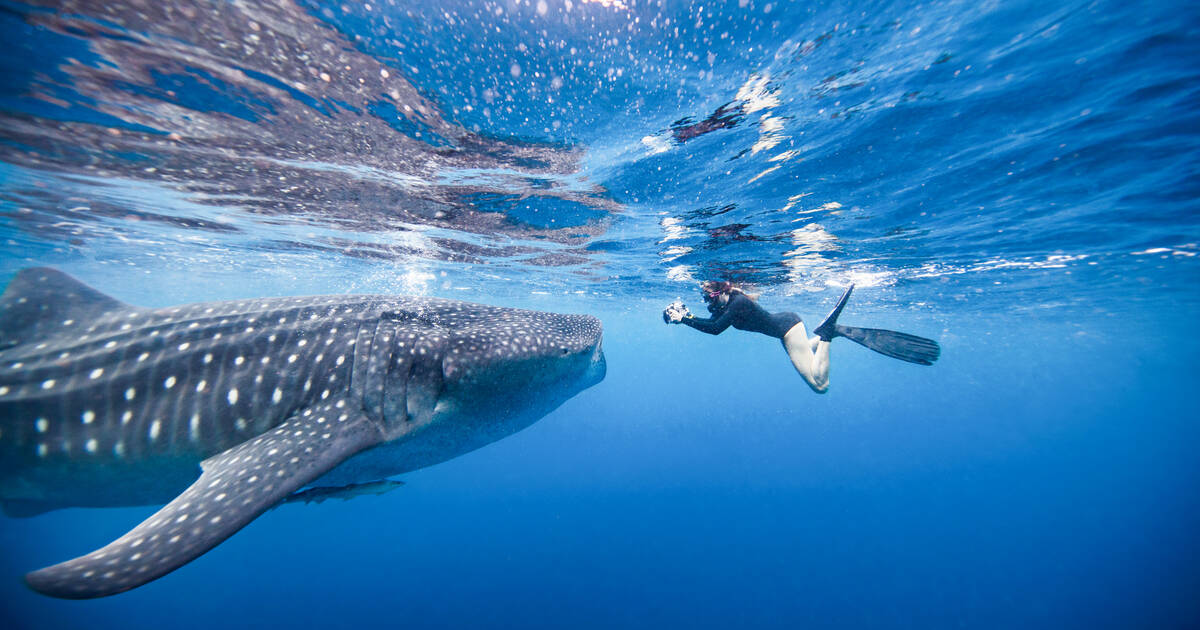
(475, 332)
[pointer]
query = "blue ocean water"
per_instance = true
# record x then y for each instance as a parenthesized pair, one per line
(1017, 180)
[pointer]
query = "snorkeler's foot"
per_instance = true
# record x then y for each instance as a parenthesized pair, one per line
(828, 328)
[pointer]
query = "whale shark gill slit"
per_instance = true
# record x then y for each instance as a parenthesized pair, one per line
(376, 369)
(396, 384)
(423, 373)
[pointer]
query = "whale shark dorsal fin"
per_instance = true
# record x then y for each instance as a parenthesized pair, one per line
(236, 487)
(40, 299)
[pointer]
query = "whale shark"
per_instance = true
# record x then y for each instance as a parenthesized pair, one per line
(222, 410)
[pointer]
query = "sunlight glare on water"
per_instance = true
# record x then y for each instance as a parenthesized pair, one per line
(616, 147)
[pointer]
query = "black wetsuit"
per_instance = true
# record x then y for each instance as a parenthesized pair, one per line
(744, 314)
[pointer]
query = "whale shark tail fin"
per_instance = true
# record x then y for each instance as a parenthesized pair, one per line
(894, 344)
(41, 301)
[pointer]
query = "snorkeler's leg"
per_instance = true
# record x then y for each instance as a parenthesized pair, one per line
(821, 361)
(810, 360)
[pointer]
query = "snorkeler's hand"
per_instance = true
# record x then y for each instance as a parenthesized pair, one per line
(675, 312)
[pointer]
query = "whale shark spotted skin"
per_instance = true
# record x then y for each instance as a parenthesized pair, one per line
(106, 404)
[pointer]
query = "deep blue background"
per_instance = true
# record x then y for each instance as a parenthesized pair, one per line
(1042, 474)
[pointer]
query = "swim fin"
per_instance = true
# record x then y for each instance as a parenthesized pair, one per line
(894, 344)
(828, 328)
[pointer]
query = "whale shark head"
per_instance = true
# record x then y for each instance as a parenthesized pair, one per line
(470, 377)
(529, 363)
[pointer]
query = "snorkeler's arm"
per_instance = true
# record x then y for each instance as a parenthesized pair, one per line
(711, 325)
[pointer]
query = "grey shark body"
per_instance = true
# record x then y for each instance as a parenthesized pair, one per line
(105, 404)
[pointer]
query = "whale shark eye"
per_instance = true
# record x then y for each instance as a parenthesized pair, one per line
(565, 351)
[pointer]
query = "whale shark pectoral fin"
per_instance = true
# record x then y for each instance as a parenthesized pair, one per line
(236, 486)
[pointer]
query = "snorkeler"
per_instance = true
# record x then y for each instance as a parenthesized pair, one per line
(730, 306)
